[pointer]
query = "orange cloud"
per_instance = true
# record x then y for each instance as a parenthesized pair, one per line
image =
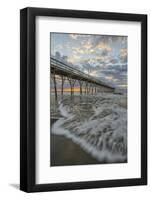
(123, 52)
(103, 46)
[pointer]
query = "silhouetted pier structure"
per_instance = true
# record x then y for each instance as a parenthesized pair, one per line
(87, 83)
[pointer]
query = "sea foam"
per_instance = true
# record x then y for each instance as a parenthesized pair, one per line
(100, 129)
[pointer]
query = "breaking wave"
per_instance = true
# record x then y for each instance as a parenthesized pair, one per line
(98, 124)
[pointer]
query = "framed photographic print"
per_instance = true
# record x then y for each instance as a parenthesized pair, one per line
(83, 99)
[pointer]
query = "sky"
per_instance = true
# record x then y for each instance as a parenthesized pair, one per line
(101, 56)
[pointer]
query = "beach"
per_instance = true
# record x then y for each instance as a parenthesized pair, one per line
(90, 130)
(65, 152)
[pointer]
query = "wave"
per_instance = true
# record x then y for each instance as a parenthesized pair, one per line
(98, 124)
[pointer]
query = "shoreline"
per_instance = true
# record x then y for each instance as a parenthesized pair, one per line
(64, 151)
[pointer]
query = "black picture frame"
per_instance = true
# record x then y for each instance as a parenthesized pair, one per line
(28, 98)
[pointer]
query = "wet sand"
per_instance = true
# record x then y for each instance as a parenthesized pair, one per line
(64, 152)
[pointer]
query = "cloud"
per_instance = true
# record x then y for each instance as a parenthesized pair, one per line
(88, 45)
(110, 78)
(74, 36)
(123, 54)
(78, 50)
(73, 59)
(83, 50)
(104, 52)
(103, 46)
(114, 60)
